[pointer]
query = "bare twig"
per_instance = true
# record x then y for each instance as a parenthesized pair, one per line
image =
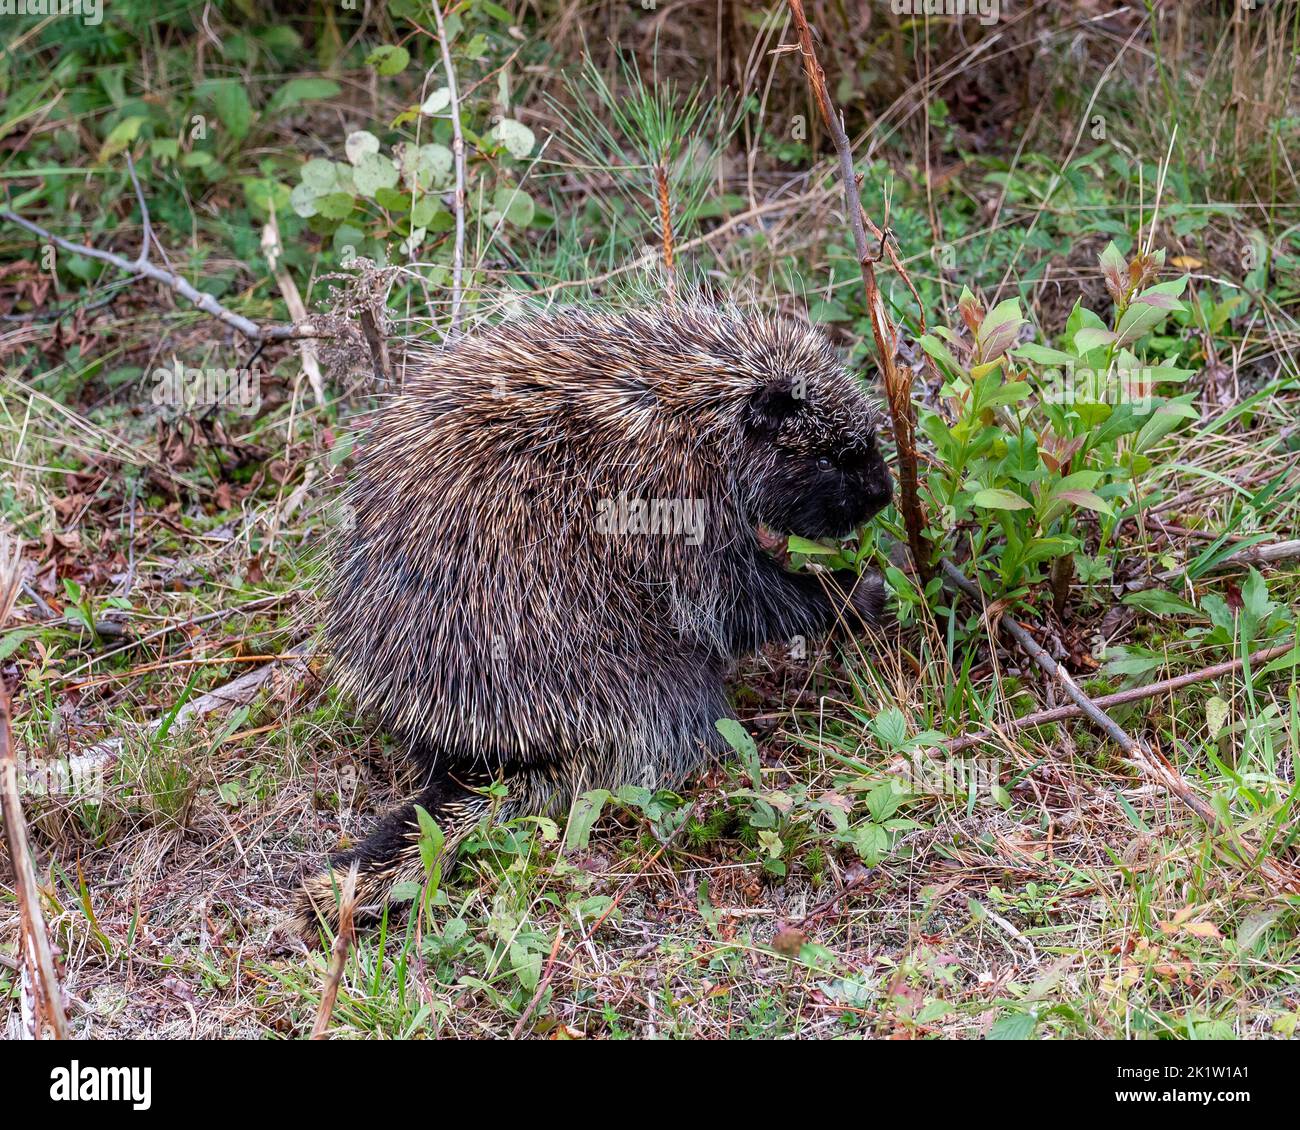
(898, 383)
(35, 952)
(458, 152)
(1119, 698)
(1151, 763)
(142, 267)
(376, 342)
(146, 237)
(1244, 558)
(338, 956)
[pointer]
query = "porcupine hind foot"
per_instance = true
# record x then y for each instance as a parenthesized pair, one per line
(391, 853)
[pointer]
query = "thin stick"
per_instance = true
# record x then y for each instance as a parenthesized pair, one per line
(1154, 765)
(146, 237)
(1120, 698)
(205, 302)
(34, 947)
(273, 249)
(338, 956)
(458, 151)
(898, 385)
(1244, 558)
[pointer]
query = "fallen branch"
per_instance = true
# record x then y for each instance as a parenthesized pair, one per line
(1244, 558)
(1154, 765)
(1139, 753)
(338, 955)
(34, 951)
(898, 384)
(1119, 698)
(142, 267)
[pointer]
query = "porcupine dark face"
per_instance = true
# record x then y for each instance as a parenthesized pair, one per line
(818, 472)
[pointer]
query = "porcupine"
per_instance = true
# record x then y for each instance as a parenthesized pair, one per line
(552, 560)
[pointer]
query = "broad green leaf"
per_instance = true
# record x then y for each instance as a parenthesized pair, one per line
(389, 59)
(299, 90)
(360, 145)
(583, 815)
(373, 172)
(515, 136)
(1090, 338)
(994, 499)
(232, 105)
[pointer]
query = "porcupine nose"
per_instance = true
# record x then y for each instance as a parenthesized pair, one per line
(879, 487)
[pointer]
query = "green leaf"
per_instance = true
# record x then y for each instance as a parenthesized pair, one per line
(426, 167)
(515, 136)
(883, 802)
(583, 815)
(1042, 355)
(1086, 499)
(232, 105)
(389, 59)
(994, 499)
(1149, 309)
(1161, 603)
(120, 136)
(373, 172)
(1281, 663)
(431, 844)
(515, 205)
(359, 145)
(299, 90)
(1090, 338)
(1014, 1026)
(740, 740)
(890, 726)
(437, 102)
